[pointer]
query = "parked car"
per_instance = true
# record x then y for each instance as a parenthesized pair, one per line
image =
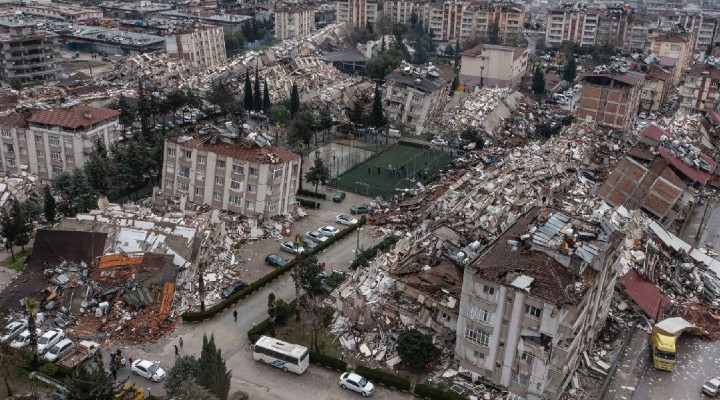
(356, 383)
(316, 236)
(233, 288)
(359, 209)
(290, 248)
(275, 260)
(48, 339)
(308, 243)
(13, 329)
(345, 219)
(329, 230)
(148, 370)
(712, 387)
(23, 339)
(60, 349)
(439, 142)
(339, 197)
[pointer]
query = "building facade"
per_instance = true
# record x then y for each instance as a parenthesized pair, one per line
(493, 66)
(414, 95)
(571, 22)
(655, 89)
(699, 89)
(611, 99)
(50, 142)
(70, 13)
(674, 45)
(199, 46)
(358, 13)
(230, 174)
(519, 325)
(295, 20)
(26, 53)
(457, 19)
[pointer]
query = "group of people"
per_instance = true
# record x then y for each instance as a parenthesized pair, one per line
(117, 362)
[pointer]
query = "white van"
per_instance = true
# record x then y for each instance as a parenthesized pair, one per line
(393, 133)
(62, 348)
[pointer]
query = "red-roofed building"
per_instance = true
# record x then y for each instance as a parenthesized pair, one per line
(493, 65)
(49, 142)
(645, 294)
(231, 174)
(673, 45)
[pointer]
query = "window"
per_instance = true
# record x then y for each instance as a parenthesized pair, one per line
(68, 145)
(9, 148)
(235, 200)
(69, 158)
(171, 152)
(23, 151)
(252, 188)
(168, 183)
(183, 187)
(525, 357)
(184, 171)
(675, 47)
(170, 169)
(238, 169)
(57, 169)
(199, 192)
(38, 138)
(253, 171)
(272, 206)
(217, 196)
(475, 335)
(479, 315)
(690, 79)
(201, 159)
(186, 154)
(41, 154)
(250, 205)
(10, 162)
(7, 133)
(520, 378)
(219, 180)
(278, 173)
(55, 155)
(532, 311)
(21, 136)
(489, 290)
(236, 185)
(220, 164)
(54, 141)
(479, 355)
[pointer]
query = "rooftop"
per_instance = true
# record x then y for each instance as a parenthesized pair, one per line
(703, 68)
(80, 116)
(629, 78)
(414, 77)
(236, 149)
(517, 51)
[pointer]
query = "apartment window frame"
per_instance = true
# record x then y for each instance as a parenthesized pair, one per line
(236, 185)
(235, 200)
(278, 173)
(201, 159)
(477, 336)
(254, 172)
(8, 148)
(525, 357)
(183, 171)
(520, 378)
(54, 141)
(217, 196)
(40, 153)
(533, 312)
(57, 169)
(252, 189)
(238, 168)
(169, 184)
(10, 161)
(480, 315)
(272, 206)
(183, 187)
(171, 152)
(39, 139)
(199, 191)
(7, 133)
(250, 205)
(56, 155)
(220, 164)
(186, 154)
(219, 180)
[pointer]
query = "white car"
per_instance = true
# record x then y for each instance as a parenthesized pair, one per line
(23, 339)
(439, 142)
(290, 248)
(329, 230)
(345, 219)
(13, 329)
(60, 349)
(48, 339)
(148, 370)
(356, 383)
(712, 387)
(316, 236)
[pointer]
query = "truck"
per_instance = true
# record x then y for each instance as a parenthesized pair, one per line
(83, 351)
(663, 338)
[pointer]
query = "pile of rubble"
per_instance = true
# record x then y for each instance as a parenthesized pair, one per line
(19, 187)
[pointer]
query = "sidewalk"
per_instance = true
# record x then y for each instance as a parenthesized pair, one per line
(632, 365)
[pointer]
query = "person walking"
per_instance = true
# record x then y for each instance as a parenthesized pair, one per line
(235, 315)
(177, 352)
(130, 360)
(181, 342)
(113, 371)
(123, 363)
(117, 363)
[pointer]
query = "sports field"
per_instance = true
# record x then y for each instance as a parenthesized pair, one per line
(399, 167)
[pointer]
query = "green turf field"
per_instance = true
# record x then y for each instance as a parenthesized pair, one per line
(398, 167)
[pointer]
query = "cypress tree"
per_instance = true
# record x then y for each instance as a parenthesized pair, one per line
(266, 98)
(294, 100)
(248, 99)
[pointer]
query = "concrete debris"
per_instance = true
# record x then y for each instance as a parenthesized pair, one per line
(19, 187)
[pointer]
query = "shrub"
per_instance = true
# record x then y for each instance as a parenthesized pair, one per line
(310, 193)
(416, 349)
(427, 392)
(282, 311)
(385, 378)
(327, 361)
(258, 330)
(363, 259)
(49, 369)
(335, 279)
(308, 203)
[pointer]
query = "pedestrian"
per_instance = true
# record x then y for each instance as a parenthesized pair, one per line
(235, 315)
(176, 350)
(181, 342)
(119, 353)
(112, 358)
(117, 363)
(123, 363)
(113, 371)
(130, 360)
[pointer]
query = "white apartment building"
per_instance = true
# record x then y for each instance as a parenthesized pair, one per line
(231, 174)
(198, 46)
(493, 66)
(573, 23)
(357, 12)
(399, 11)
(535, 301)
(294, 20)
(50, 142)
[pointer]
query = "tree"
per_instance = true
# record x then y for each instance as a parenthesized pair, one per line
(97, 169)
(538, 82)
(234, 43)
(49, 205)
(127, 113)
(472, 135)
(449, 50)
(202, 266)
(310, 270)
(278, 114)
(303, 126)
(16, 84)
(89, 382)
(416, 349)
(212, 371)
(494, 34)
(282, 311)
(31, 306)
(455, 84)
(377, 119)
(272, 312)
(384, 63)
(294, 100)
(9, 230)
(297, 243)
(257, 95)
(318, 173)
(325, 121)
(248, 93)
(570, 71)
(221, 95)
(185, 368)
(191, 390)
(357, 114)
(266, 99)
(320, 317)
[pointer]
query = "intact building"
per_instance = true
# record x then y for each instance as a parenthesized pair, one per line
(294, 20)
(534, 302)
(674, 45)
(50, 142)
(414, 95)
(70, 13)
(230, 174)
(611, 99)
(26, 53)
(357, 12)
(572, 22)
(494, 66)
(199, 46)
(699, 89)
(457, 19)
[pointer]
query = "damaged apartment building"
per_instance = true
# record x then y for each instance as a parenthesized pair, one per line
(535, 300)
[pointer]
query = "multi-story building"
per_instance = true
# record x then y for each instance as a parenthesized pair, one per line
(572, 22)
(655, 88)
(400, 11)
(674, 45)
(703, 25)
(133, 10)
(534, 302)
(198, 46)
(230, 173)
(700, 87)
(357, 12)
(414, 95)
(294, 20)
(495, 66)
(26, 53)
(49, 142)
(458, 19)
(64, 12)
(611, 99)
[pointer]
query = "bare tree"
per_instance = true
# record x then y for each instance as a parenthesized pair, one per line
(297, 243)
(319, 316)
(272, 312)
